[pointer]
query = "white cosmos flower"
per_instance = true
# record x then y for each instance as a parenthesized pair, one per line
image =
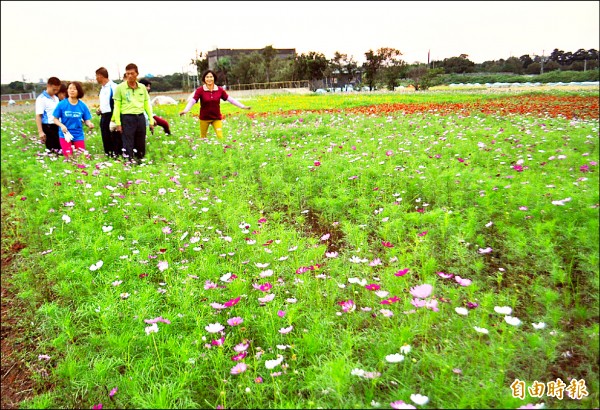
(96, 265)
(357, 372)
(503, 310)
(394, 358)
(461, 311)
(511, 320)
(405, 349)
(226, 277)
(271, 364)
(481, 330)
(418, 399)
(66, 218)
(539, 325)
(214, 327)
(107, 228)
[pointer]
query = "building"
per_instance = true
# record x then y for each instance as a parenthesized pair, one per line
(214, 55)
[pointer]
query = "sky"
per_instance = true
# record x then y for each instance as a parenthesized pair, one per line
(70, 40)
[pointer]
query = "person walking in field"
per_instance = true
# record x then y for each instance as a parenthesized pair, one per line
(209, 95)
(131, 102)
(159, 120)
(111, 140)
(45, 104)
(69, 116)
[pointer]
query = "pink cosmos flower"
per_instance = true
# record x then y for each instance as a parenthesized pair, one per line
(317, 163)
(216, 305)
(112, 392)
(162, 265)
(485, 250)
(347, 305)
(280, 313)
(432, 304)
(389, 153)
(239, 368)
(399, 404)
(372, 286)
(401, 272)
(286, 330)
(462, 282)
(375, 262)
(421, 291)
(584, 168)
(269, 297)
(331, 254)
(97, 406)
(387, 244)
(234, 321)
(241, 347)
(325, 237)
(264, 287)
(422, 233)
(416, 302)
(166, 230)
(445, 275)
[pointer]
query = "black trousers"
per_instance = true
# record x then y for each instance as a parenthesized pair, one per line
(52, 139)
(134, 135)
(112, 140)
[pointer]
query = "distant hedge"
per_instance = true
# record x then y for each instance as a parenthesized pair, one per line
(549, 77)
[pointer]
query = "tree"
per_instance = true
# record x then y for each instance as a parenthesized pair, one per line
(513, 65)
(223, 66)
(248, 69)
(459, 65)
(525, 60)
(200, 63)
(268, 54)
(384, 57)
(422, 77)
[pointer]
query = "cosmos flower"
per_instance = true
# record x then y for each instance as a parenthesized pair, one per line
(214, 327)
(421, 291)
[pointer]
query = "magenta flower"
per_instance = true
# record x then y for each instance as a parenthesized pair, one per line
(218, 342)
(584, 168)
(399, 404)
(389, 153)
(518, 168)
(387, 244)
(422, 233)
(97, 406)
(317, 163)
(265, 287)
(258, 380)
(239, 356)
(401, 272)
(389, 301)
(421, 291)
(232, 302)
(113, 392)
(372, 286)
(472, 305)
(280, 313)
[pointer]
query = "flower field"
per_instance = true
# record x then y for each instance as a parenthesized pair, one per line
(432, 250)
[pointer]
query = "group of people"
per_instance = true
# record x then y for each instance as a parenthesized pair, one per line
(125, 112)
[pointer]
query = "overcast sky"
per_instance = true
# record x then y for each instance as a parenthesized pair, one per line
(70, 40)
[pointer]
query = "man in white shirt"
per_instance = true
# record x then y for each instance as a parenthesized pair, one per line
(112, 140)
(45, 104)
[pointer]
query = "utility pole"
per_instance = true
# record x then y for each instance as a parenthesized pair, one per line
(542, 64)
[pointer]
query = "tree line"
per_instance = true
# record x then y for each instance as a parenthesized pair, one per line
(383, 68)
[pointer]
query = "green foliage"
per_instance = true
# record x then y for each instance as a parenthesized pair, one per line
(286, 186)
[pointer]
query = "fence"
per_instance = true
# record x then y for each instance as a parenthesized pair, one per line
(269, 86)
(18, 97)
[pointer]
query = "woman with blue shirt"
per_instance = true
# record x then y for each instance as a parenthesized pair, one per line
(69, 115)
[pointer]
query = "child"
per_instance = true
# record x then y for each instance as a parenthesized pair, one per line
(69, 116)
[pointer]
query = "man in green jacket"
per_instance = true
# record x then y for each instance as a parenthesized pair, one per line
(131, 101)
